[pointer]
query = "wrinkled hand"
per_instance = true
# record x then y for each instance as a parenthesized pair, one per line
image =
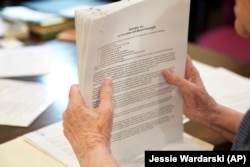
(198, 104)
(85, 127)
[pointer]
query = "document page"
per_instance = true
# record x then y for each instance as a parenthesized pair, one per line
(134, 52)
(24, 61)
(228, 88)
(22, 102)
(51, 140)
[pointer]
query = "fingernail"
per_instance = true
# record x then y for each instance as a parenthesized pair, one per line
(166, 72)
(108, 78)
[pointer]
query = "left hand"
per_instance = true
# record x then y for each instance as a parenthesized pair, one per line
(89, 128)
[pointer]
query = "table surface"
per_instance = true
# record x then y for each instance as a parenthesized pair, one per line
(64, 72)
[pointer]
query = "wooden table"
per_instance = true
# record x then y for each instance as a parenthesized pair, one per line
(65, 72)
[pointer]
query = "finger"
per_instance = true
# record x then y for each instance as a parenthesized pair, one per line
(192, 73)
(176, 80)
(106, 92)
(189, 63)
(191, 69)
(75, 95)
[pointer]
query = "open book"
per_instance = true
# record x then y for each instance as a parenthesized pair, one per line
(132, 42)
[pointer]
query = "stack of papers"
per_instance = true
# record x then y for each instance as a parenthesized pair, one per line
(24, 61)
(22, 102)
(228, 88)
(52, 141)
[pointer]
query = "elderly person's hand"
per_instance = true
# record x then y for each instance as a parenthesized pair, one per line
(89, 130)
(199, 106)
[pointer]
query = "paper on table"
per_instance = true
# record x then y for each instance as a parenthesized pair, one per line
(22, 102)
(51, 140)
(24, 155)
(228, 88)
(24, 61)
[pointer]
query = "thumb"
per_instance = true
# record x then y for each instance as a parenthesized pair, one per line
(176, 80)
(75, 97)
(106, 92)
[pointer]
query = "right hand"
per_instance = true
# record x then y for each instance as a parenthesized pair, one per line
(198, 104)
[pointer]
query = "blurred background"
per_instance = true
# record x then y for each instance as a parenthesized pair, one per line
(204, 14)
(211, 23)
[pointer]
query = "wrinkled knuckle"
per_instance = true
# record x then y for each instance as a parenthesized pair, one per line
(194, 89)
(109, 108)
(176, 80)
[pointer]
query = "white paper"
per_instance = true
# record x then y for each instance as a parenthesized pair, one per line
(10, 42)
(26, 14)
(179, 145)
(22, 102)
(24, 61)
(51, 140)
(228, 88)
(133, 52)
